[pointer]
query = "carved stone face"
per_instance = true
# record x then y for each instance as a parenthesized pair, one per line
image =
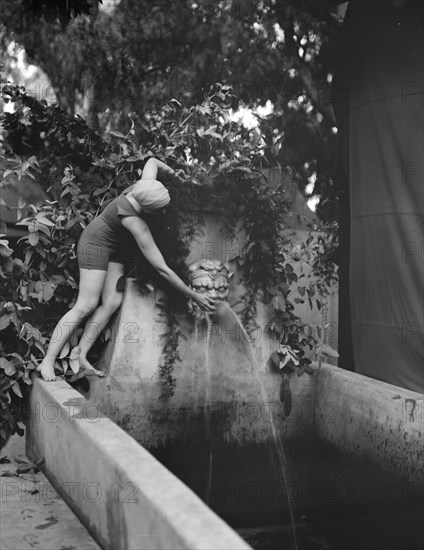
(211, 277)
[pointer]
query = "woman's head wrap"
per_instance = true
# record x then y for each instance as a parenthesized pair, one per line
(150, 194)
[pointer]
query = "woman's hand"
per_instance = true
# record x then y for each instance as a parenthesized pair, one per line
(151, 168)
(204, 302)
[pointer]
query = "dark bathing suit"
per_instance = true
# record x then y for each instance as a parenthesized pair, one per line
(103, 239)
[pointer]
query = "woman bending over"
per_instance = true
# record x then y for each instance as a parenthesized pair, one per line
(101, 265)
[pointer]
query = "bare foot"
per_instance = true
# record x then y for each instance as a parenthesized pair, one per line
(46, 369)
(87, 369)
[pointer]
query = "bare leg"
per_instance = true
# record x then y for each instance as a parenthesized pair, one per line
(111, 300)
(90, 288)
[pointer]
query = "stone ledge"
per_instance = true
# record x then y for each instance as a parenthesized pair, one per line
(371, 419)
(123, 495)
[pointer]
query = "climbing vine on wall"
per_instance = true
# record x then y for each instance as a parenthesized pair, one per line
(218, 162)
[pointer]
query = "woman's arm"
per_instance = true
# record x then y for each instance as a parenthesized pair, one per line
(151, 168)
(153, 255)
(150, 171)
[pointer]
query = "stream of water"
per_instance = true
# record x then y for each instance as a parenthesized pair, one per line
(227, 316)
(208, 418)
(228, 324)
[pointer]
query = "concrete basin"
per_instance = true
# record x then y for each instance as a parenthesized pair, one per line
(128, 500)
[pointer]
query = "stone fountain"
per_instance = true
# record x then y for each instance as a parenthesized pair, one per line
(223, 431)
(223, 407)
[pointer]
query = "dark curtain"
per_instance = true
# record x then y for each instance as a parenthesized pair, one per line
(378, 98)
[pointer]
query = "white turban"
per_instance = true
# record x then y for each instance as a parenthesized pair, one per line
(150, 194)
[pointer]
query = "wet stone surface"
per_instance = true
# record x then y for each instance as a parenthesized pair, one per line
(32, 513)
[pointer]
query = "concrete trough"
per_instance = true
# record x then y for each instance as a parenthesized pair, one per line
(128, 500)
(372, 420)
(124, 496)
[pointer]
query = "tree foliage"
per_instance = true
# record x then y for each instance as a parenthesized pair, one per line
(114, 66)
(52, 10)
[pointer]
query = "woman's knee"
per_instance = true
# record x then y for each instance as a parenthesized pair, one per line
(112, 303)
(86, 307)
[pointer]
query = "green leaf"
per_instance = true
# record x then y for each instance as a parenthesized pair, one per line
(33, 238)
(28, 256)
(75, 353)
(42, 219)
(117, 134)
(39, 346)
(18, 356)
(17, 389)
(74, 364)
(8, 367)
(74, 341)
(43, 229)
(25, 221)
(134, 158)
(48, 291)
(4, 321)
(64, 351)
(328, 350)
(26, 468)
(9, 264)
(284, 362)
(20, 460)
(5, 251)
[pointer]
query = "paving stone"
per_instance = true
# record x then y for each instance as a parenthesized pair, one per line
(32, 515)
